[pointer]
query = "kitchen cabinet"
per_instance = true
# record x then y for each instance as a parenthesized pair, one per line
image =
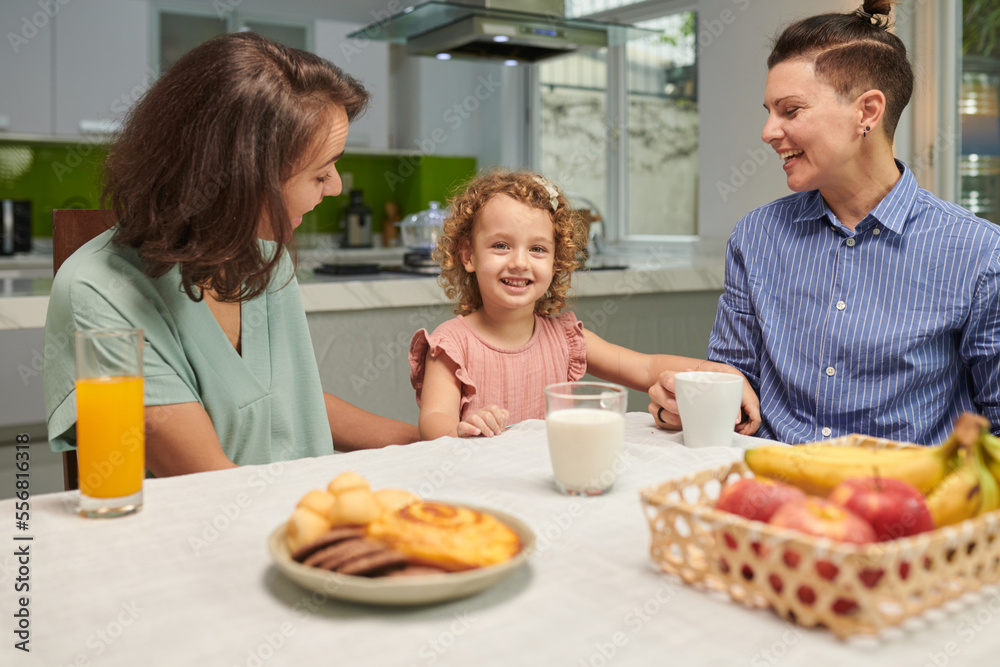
(368, 62)
(101, 63)
(26, 68)
(23, 401)
(363, 354)
(72, 69)
(361, 330)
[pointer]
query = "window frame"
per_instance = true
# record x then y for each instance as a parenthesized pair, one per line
(616, 237)
(936, 130)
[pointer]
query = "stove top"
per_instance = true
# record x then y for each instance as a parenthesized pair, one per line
(415, 269)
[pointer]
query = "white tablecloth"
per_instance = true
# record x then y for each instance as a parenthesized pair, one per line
(189, 581)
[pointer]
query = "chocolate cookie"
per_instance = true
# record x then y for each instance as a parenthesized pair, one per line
(373, 564)
(333, 536)
(332, 558)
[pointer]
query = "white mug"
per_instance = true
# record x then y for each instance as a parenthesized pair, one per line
(709, 404)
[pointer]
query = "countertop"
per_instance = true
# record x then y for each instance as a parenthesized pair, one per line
(25, 280)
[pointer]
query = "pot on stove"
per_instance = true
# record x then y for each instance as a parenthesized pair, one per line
(420, 231)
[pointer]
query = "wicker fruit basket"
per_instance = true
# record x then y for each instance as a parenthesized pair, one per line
(851, 589)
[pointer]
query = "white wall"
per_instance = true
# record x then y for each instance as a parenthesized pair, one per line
(738, 171)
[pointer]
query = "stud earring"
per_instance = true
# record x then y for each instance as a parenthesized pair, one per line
(867, 130)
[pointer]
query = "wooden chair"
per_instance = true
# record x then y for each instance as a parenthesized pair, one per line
(71, 228)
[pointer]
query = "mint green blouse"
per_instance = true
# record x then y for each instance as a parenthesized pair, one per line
(266, 405)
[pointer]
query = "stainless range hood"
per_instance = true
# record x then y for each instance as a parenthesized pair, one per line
(512, 31)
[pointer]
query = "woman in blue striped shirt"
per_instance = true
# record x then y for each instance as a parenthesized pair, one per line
(862, 303)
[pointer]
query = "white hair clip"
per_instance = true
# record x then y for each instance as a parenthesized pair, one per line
(550, 189)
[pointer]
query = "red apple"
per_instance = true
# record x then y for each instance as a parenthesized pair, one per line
(893, 507)
(756, 498)
(822, 518)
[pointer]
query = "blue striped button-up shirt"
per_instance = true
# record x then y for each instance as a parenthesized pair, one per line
(890, 330)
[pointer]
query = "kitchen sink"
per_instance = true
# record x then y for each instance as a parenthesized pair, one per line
(25, 273)
(601, 266)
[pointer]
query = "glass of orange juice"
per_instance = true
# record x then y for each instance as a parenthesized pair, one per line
(110, 427)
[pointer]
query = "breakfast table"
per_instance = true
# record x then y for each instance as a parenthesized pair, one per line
(189, 579)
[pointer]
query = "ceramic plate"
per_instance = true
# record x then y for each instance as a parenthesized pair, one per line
(403, 590)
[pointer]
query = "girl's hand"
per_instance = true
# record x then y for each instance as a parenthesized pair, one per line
(488, 421)
(663, 401)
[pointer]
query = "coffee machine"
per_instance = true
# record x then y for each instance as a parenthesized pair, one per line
(15, 226)
(357, 222)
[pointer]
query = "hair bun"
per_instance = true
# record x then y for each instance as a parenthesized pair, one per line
(871, 9)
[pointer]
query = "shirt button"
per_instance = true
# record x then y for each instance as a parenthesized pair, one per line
(850, 243)
(841, 305)
(876, 231)
(827, 431)
(831, 371)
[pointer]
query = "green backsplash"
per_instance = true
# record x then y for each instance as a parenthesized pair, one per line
(51, 176)
(411, 181)
(68, 175)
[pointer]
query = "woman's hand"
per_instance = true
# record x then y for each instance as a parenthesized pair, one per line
(663, 401)
(488, 421)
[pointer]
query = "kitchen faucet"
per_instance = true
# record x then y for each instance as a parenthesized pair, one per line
(595, 234)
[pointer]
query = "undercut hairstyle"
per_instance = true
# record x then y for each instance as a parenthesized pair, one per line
(570, 235)
(205, 152)
(853, 53)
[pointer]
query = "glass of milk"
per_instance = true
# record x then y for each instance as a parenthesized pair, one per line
(585, 422)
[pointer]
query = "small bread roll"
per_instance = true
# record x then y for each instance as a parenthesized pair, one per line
(303, 527)
(318, 501)
(393, 499)
(346, 481)
(355, 506)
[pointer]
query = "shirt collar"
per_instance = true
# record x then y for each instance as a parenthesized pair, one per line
(892, 212)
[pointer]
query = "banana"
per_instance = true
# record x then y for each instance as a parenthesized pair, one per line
(991, 451)
(967, 492)
(990, 491)
(817, 468)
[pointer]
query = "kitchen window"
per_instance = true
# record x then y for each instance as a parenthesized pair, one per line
(618, 127)
(979, 109)
(956, 55)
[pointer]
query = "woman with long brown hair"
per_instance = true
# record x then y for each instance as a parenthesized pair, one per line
(861, 303)
(214, 169)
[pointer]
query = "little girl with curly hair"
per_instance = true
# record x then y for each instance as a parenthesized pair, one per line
(507, 254)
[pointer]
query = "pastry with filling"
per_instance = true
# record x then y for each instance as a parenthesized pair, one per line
(451, 538)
